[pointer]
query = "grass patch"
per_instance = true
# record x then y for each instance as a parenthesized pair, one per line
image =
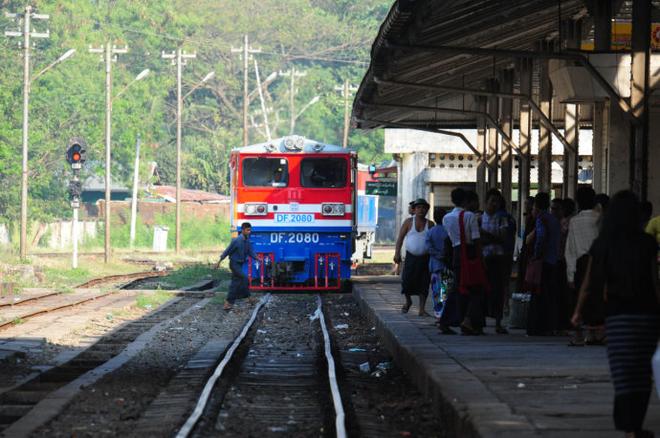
(198, 233)
(192, 274)
(18, 321)
(64, 277)
(56, 272)
(152, 300)
(119, 313)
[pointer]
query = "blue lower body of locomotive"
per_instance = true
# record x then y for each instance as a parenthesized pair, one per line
(309, 258)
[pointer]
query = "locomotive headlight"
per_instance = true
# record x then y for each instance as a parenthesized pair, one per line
(256, 209)
(333, 209)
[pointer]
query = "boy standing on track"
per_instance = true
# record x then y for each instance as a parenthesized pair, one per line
(238, 251)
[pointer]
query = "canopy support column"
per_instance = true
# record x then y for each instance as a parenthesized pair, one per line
(525, 69)
(506, 117)
(493, 154)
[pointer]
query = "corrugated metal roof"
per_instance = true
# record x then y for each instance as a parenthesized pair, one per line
(187, 195)
(396, 55)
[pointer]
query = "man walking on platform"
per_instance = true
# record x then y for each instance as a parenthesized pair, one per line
(582, 231)
(542, 316)
(238, 251)
(464, 310)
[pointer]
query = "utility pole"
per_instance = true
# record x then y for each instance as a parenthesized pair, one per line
(346, 91)
(293, 74)
(26, 33)
(179, 58)
(109, 53)
(136, 179)
(246, 50)
(261, 98)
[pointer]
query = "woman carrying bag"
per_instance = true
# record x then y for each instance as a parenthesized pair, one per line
(622, 273)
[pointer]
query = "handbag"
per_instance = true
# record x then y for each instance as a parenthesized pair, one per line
(533, 275)
(473, 272)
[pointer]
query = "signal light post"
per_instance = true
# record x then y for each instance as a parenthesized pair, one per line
(75, 156)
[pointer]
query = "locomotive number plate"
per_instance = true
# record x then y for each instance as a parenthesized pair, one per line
(294, 237)
(294, 218)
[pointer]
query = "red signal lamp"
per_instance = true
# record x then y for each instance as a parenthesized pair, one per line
(75, 153)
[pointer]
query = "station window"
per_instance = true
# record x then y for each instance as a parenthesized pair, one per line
(265, 172)
(323, 172)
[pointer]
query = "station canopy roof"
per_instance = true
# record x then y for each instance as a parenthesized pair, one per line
(421, 42)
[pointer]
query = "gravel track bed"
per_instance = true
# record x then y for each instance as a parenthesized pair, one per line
(379, 403)
(277, 386)
(112, 406)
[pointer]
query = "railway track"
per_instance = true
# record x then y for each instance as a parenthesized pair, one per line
(276, 377)
(20, 401)
(45, 304)
(273, 386)
(27, 300)
(121, 278)
(56, 301)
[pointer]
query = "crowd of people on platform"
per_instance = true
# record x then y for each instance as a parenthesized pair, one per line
(590, 265)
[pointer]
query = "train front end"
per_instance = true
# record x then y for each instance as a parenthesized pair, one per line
(299, 197)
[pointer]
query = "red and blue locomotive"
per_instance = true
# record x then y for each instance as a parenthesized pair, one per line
(300, 197)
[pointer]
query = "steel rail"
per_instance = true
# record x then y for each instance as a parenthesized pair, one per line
(52, 309)
(206, 392)
(120, 277)
(28, 300)
(340, 419)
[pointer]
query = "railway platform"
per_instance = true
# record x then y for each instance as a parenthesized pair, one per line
(497, 385)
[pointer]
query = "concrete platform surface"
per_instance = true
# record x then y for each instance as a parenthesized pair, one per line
(497, 385)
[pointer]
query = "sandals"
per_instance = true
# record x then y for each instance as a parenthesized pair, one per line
(406, 307)
(446, 330)
(467, 329)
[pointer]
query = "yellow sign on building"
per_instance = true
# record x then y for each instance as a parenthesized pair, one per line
(622, 35)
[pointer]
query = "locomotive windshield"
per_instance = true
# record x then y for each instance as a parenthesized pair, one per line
(265, 172)
(323, 172)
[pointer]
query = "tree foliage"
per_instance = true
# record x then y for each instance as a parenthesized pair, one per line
(328, 39)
